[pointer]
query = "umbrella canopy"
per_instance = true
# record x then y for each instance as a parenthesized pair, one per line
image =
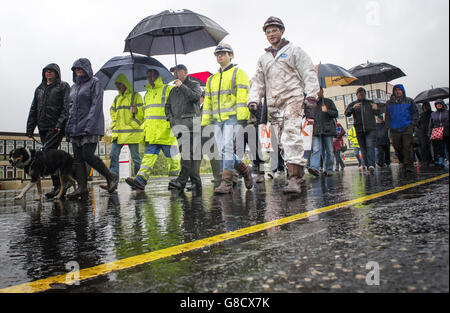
(373, 73)
(331, 75)
(174, 32)
(124, 65)
(201, 77)
(432, 95)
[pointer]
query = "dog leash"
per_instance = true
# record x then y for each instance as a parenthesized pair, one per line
(43, 145)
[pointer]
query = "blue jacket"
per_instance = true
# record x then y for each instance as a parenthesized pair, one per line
(85, 104)
(401, 113)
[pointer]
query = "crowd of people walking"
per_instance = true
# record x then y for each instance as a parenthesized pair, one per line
(185, 122)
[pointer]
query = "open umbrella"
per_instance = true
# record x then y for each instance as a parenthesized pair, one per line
(331, 75)
(432, 95)
(174, 32)
(134, 68)
(373, 73)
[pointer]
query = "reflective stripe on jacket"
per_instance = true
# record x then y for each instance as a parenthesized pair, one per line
(126, 128)
(226, 95)
(156, 127)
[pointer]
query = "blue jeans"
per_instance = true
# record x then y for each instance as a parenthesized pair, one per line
(225, 134)
(367, 142)
(356, 151)
(322, 145)
(114, 157)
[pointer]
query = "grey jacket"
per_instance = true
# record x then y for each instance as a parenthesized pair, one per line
(183, 104)
(85, 103)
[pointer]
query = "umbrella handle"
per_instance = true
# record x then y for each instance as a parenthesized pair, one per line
(174, 47)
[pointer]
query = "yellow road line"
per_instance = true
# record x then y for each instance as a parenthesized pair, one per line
(103, 269)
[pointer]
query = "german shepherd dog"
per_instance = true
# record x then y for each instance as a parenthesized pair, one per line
(38, 164)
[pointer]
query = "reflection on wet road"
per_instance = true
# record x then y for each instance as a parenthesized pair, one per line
(405, 233)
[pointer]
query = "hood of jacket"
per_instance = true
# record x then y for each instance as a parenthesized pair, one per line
(402, 88)
(86, 66)
(121, 78)
(158, 84)
(54, 67)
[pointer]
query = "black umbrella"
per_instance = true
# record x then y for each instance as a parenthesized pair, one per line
(135, 69)
(174, 32)
(373, 73)
(432, 95)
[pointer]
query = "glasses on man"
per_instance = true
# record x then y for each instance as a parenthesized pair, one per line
(272, 31)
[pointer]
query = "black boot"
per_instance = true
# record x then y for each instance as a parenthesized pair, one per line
(111, 178)
(81, 178)
(56, 187)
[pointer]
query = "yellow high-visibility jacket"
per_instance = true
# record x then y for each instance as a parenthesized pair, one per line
(226, 95)
(156, 127)
(126, 128)
(352, 137)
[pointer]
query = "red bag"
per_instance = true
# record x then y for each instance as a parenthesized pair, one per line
(437, 133)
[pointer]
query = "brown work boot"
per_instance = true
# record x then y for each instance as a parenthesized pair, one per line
(226, 186)
(295, 174)
(246, 172)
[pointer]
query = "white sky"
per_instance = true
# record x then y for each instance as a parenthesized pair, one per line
(410, 34)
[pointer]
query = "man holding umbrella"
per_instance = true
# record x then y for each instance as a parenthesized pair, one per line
(286, 73)
(183, 112)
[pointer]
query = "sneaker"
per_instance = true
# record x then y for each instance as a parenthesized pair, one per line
(328, 173)
(371, 170)
(271, 175)
(134, 184)
(313, 171)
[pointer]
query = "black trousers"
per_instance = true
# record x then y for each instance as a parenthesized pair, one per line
(338, 159)
(403, 145)
(86, 154)
(439, 147)
(190, 162)
(51, 140)
(384, 154)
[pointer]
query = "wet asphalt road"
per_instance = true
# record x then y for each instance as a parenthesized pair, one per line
(406, 234)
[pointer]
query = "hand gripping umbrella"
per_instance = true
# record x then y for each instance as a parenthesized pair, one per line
(174, 32)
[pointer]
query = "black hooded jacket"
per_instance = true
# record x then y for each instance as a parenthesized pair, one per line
(49, 107)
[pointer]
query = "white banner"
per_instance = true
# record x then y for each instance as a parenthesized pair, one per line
(264, 137)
